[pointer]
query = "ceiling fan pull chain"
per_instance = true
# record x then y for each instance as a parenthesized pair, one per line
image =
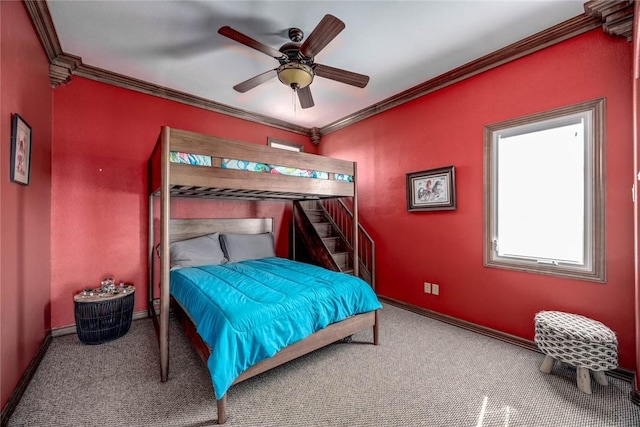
(293, 100)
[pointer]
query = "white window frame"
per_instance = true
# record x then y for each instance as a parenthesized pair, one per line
(593, 267)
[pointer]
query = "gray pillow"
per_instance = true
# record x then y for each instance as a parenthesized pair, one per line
(204, 250)
(240, 247)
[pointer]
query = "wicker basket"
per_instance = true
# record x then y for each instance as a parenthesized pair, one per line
(98, 322)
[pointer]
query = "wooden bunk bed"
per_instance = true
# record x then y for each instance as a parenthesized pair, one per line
(170, 179)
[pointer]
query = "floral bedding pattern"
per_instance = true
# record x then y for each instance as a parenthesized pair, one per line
(273, 169)
(200, 160)
(190, 159)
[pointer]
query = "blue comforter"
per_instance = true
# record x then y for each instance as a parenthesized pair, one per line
(248, 311)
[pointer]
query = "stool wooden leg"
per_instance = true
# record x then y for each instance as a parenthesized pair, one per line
(547, 364)
(584, 380)
(600, 377)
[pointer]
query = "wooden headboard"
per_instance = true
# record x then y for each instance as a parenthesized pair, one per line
(182, 229)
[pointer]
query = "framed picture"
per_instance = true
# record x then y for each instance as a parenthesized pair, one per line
(284, 145)
(20, 150)
(432, 190)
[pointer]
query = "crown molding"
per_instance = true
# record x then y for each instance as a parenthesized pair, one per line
(616, 16)
(63, 66)
(41, 18)
(534, 43)
(115, 79)
(314, 134)
(119, 80)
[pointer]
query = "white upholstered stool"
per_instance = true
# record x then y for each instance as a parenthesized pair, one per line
(579, 341)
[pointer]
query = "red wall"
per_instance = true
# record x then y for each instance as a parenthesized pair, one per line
(446, 128)
(636, 172)
(86, 216)
(25, 211)
(104, 136)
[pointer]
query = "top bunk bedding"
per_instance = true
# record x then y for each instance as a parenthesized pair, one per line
(200, 160)
(197, 165)
(248, 311)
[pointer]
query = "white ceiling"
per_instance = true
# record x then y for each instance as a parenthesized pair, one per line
(399, 44)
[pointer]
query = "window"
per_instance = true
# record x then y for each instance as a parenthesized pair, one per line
(290, 146)
(544, 193)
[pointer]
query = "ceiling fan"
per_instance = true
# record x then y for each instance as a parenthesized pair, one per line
(297, 67)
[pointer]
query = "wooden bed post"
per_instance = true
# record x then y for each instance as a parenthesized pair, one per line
(356, 240)
(151, 238)
(356, 259)
(222, 409)
(293, 232)
(164, 258)
(376, 330)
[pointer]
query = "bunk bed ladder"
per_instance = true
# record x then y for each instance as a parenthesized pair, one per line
(325, 229)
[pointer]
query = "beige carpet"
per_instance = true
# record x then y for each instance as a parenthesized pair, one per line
(424, 373)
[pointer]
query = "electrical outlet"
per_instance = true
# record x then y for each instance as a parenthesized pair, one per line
(427, 287)
(435, 289)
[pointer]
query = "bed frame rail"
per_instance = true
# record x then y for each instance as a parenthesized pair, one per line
(322, 338)
(215, 182)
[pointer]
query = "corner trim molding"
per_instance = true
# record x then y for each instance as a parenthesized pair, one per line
(13, 401)
(616, 16)
(619, 373)
(61, 65)
(556, 34)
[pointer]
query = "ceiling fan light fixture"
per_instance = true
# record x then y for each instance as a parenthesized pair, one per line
(295, 75)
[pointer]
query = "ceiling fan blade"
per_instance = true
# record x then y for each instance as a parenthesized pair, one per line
(326, 30)
(248, 41)
(304, 95)
(255, 81)
(340, 75)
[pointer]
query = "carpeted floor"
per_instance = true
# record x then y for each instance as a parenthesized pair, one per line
(424, 373)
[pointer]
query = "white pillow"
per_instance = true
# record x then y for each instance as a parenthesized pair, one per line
(204, 250)
(240, 247)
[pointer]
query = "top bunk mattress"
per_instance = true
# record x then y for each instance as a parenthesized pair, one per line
(249, 310)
